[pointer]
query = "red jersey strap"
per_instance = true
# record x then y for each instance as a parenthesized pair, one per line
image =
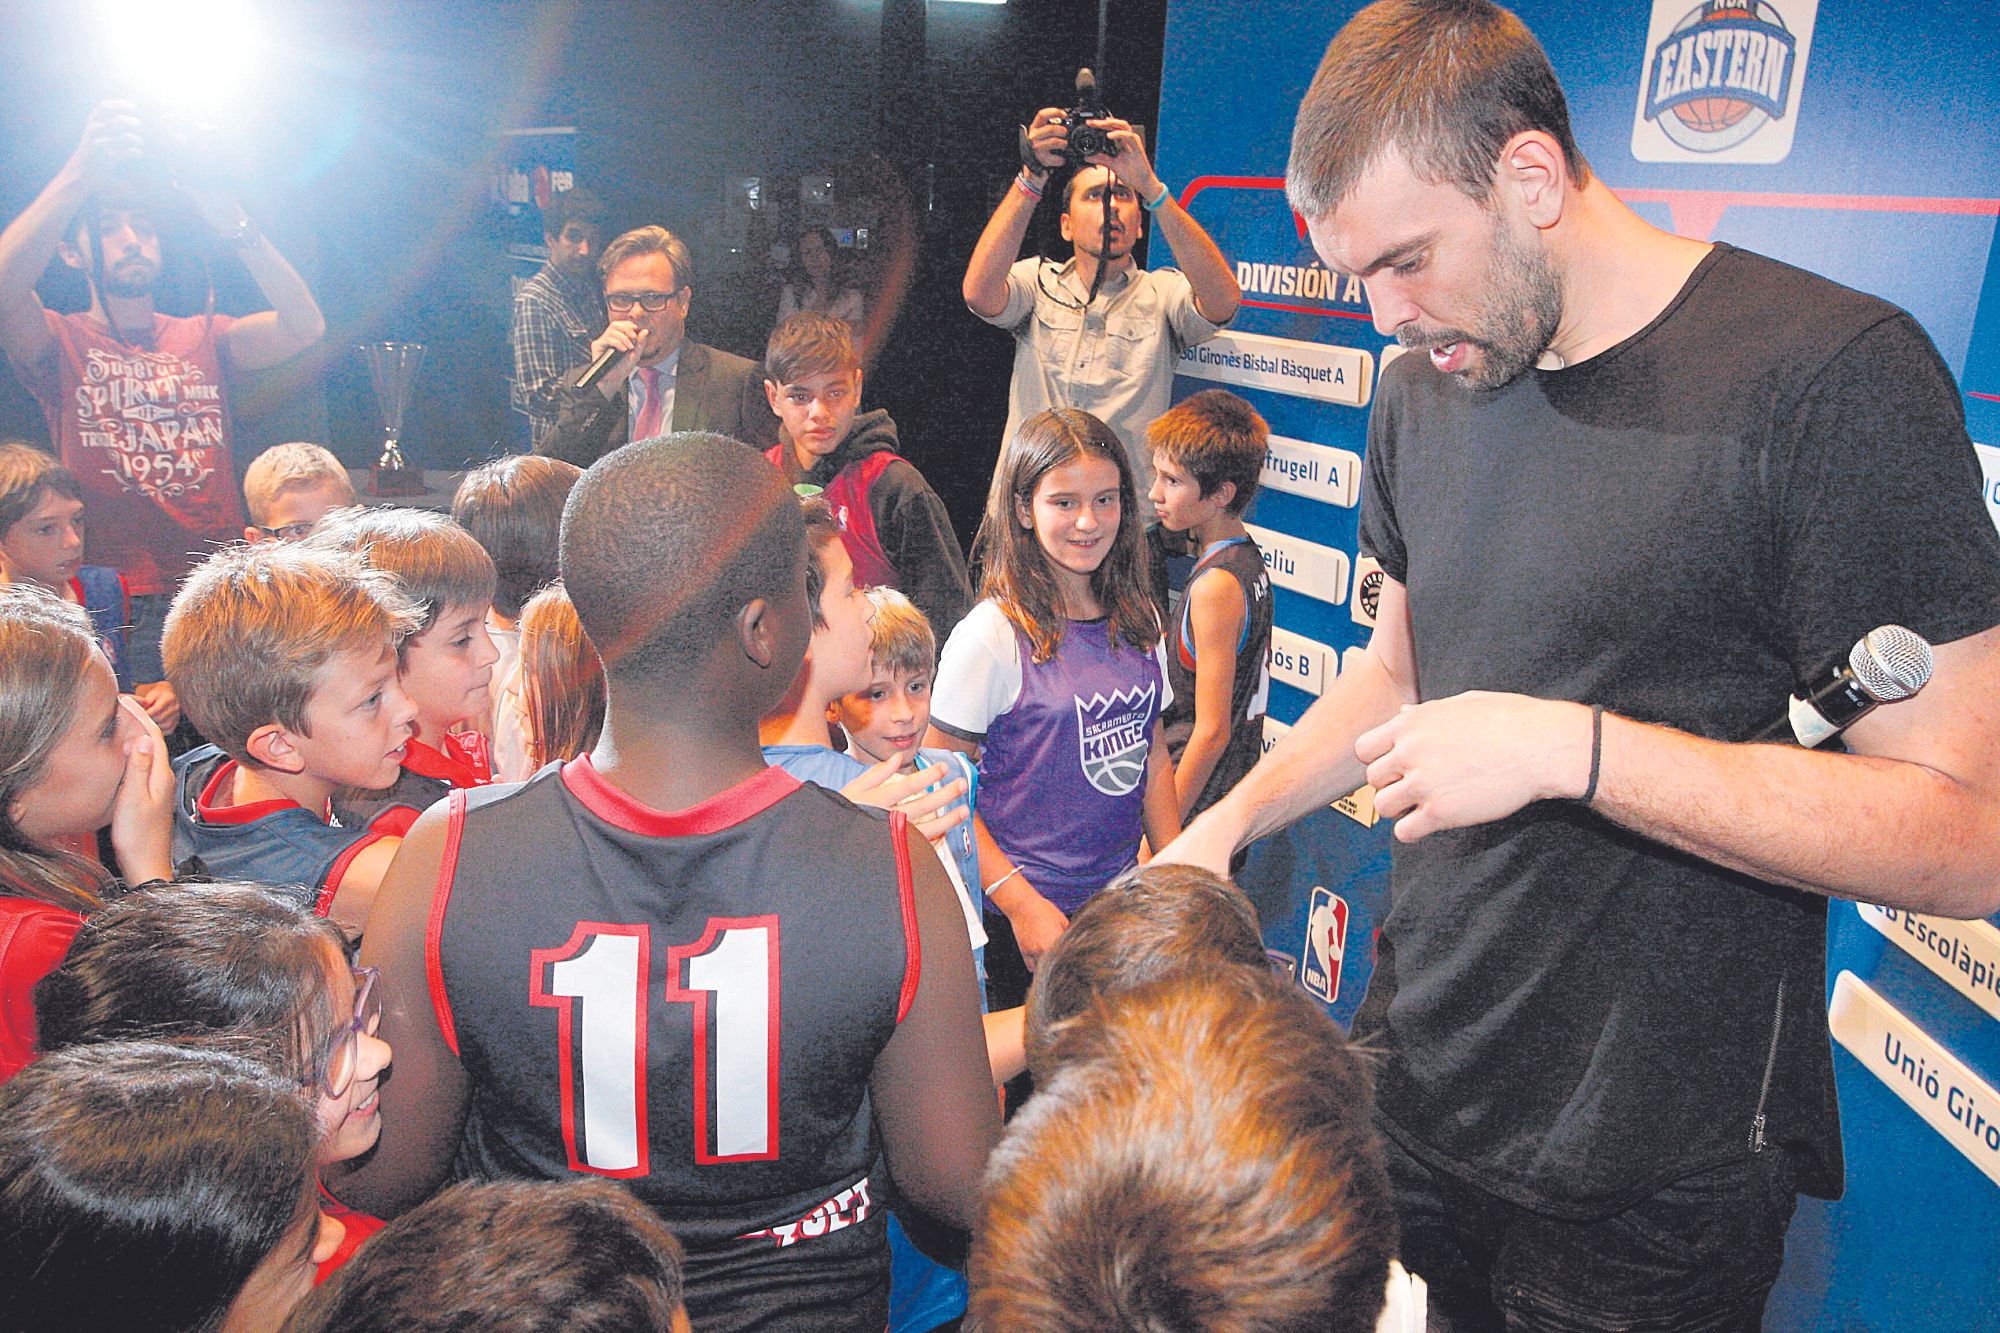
(848, 493)
(454, 831)
(391, 823)
(906, 889)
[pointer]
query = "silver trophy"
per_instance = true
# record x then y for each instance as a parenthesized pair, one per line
(393, 367)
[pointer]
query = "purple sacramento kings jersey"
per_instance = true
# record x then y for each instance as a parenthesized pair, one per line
(1062, 774)
(690, 1002)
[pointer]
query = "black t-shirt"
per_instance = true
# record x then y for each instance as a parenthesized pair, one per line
(1684, 529)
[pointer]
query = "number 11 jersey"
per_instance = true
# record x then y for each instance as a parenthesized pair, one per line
(690, 1002)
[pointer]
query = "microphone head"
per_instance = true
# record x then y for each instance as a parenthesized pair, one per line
(1891, 663)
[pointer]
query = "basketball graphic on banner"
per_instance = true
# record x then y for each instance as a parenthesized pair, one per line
(1720, 80)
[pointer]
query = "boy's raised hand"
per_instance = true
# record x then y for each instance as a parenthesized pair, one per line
(917, 793)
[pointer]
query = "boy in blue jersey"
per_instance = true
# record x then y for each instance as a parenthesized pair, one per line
(285, 657)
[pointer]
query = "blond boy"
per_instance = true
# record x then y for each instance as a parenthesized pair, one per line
(289, 488)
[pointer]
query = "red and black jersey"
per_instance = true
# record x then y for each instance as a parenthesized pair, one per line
(691, 1002)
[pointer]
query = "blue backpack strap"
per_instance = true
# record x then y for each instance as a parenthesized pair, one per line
(110, 611)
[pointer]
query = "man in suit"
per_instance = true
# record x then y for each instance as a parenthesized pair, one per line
(661, 382)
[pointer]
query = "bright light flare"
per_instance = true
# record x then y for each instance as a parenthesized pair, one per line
(191, 57)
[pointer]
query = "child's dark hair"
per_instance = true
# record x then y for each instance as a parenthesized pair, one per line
(1147, 925)
(665, 541)
(143, 1183)
(197, 960)
(822, 532)
(45, 644)
(809, 343)
(1014, 570)
(27, 476)
(437, 562)
(1203, 1158)
(1216, 437)
(513, 507)
(572, 1256)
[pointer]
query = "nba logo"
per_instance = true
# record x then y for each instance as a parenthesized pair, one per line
(1326, 945)
(1721, 80)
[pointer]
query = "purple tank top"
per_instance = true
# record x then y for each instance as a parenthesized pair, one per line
(1062, 774)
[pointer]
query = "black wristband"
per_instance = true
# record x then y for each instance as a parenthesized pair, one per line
(1596, 752)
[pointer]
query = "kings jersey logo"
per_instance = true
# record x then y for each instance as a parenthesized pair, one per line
(1111, 737)
(1721, 80)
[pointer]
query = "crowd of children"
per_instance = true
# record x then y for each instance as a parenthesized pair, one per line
(629, 823)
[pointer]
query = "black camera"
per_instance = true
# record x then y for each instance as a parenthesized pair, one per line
(1086, 140)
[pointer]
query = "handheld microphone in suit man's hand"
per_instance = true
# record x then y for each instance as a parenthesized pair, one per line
(599, 368)
(1889, 664)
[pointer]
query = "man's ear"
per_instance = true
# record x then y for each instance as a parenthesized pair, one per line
(771, 395)
(1063, 222)
(72, 254)
(276, 748)
(1534, 170)
(1223, 494)
(755, 632)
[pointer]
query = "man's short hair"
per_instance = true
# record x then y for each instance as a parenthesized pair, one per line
(572, 1256)
(513, 507)
(809, 343)
(649, 241)
(1149, 924)
(253, 626)
(822, 532)
(900, 640)
(1204, 1158)
(573, 205)
(1215, 436)
(437, 562)
(27, 476)
(665, 540)
(1445, 82)
(292, 467)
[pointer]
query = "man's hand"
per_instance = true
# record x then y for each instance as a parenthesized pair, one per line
(112, 136)
(1129, 163)
(160, 702)
(142, 814)
(626, 336)
(1473, 758)
(1048, 135)
(917, 793)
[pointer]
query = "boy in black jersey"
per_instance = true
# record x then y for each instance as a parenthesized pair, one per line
(671, 965)
(1208, 452)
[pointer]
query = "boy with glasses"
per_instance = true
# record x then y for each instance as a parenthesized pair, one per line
(658, 381)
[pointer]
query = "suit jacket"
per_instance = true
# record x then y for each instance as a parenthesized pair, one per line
(713, 390)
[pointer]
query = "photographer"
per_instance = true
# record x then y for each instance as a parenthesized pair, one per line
(134, 398)
(1098, 333)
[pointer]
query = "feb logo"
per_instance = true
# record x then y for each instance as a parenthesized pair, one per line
(1721, 80)
(1326, 945)
(1111, 737)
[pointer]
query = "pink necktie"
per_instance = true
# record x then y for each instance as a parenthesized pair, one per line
(648, 424)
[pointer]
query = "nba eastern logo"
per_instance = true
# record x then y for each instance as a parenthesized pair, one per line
(1721, 80)
(1111, 737)
(1326, 945)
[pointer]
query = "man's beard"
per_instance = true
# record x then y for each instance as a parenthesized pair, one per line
(128, 282)
(1524, 303)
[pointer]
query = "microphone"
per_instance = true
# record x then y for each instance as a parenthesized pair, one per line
(1889, 664)
(597, 369)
